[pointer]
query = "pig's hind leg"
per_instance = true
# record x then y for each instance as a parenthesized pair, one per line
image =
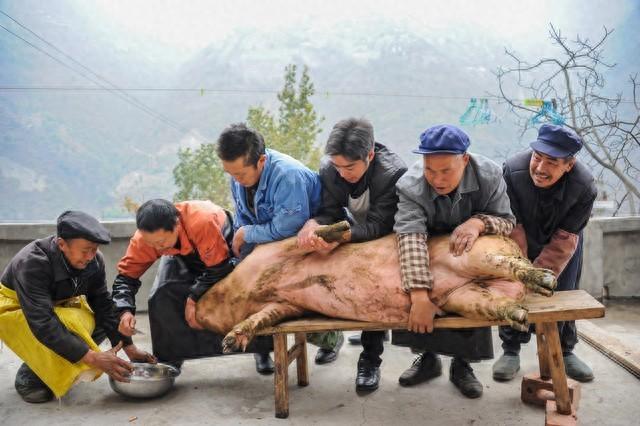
(242, 333)
(480, 301)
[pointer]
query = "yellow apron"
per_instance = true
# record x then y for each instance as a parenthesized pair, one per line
(55, 371)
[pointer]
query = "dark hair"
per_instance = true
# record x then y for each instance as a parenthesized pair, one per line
(157, 214)
(351, 138)
(237, 141)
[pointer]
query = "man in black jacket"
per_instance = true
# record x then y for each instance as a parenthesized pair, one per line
(358, 185)
(47, 323)
(551, 195)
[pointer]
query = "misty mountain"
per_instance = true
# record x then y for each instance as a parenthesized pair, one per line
(90, 149)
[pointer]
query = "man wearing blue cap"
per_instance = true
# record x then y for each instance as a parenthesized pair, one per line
(551, 195)
(55, 309)
(447, 191)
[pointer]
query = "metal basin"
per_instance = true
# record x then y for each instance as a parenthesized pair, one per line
(146, 381)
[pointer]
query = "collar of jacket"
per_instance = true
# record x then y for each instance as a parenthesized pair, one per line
(468, 183)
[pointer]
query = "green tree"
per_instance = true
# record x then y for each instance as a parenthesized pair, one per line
(293, 131)
(199, 176)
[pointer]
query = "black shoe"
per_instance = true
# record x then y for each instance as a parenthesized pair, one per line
(461, 374)
(368, 377)
(30, 387)
(264, 363)
(426, 366)
(325, 356)
(355, 339)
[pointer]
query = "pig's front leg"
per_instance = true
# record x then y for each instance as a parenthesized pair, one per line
(242, 333)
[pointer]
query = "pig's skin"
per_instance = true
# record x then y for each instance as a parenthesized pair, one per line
(362, 282)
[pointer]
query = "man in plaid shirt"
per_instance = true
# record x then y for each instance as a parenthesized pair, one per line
(447, 191)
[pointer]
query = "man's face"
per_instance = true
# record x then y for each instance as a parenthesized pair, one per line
(444, 171)
(161, 240)
(78, 251)
(351, 170)
(245, 175)
(545, 170)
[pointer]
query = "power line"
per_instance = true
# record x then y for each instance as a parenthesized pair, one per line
(115, 89)
(204, 91)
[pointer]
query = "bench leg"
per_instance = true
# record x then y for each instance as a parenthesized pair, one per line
(281, 377)
(550, 387)
(301, 360)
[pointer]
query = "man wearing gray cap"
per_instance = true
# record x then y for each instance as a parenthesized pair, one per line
(55, 309)
(551, 195)
(447, 191)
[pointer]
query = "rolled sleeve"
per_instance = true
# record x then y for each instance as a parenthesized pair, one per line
(414, 262)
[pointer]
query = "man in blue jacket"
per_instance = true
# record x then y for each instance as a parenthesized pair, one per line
(274, 195)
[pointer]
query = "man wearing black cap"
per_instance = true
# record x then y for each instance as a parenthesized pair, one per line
(551, 195)
(55, 309)
(447, 191)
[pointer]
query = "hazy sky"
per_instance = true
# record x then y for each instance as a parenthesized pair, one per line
(191, 25)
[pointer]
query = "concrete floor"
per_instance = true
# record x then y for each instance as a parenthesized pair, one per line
(226, 390)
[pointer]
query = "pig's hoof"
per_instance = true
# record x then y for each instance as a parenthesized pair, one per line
(548, 279)
(230, 343)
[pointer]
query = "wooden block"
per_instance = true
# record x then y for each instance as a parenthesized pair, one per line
(537, 391)
(553, 418)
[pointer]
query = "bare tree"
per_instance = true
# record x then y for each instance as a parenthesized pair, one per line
(609, 126)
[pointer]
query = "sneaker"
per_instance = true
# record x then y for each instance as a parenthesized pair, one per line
(30, 387)
(576, 368)
(461, 375)
(264, 363)
(325, 356)
(426, 366)
(506, 367)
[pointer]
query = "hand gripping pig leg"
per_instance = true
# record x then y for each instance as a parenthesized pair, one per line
(242, 333)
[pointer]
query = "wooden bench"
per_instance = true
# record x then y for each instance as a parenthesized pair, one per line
(548, 388)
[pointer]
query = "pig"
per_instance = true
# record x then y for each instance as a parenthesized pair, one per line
(361, 281)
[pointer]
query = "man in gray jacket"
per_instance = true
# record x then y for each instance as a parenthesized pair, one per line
(358, 185)
(447, 191)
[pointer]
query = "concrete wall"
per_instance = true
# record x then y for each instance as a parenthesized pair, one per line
(14, 236)
(612, 257)
(611, 263)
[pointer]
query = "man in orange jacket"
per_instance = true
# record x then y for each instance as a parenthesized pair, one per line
(192, 240)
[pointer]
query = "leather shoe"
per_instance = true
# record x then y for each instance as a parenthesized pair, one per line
(264, 363)
(368, 377)
(426, 366)
(325, 356)
(30, 387)
(461, 374)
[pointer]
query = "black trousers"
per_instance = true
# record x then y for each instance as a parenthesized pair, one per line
(569, 279)
(171, 337)
(472, 344)
(372, 347)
